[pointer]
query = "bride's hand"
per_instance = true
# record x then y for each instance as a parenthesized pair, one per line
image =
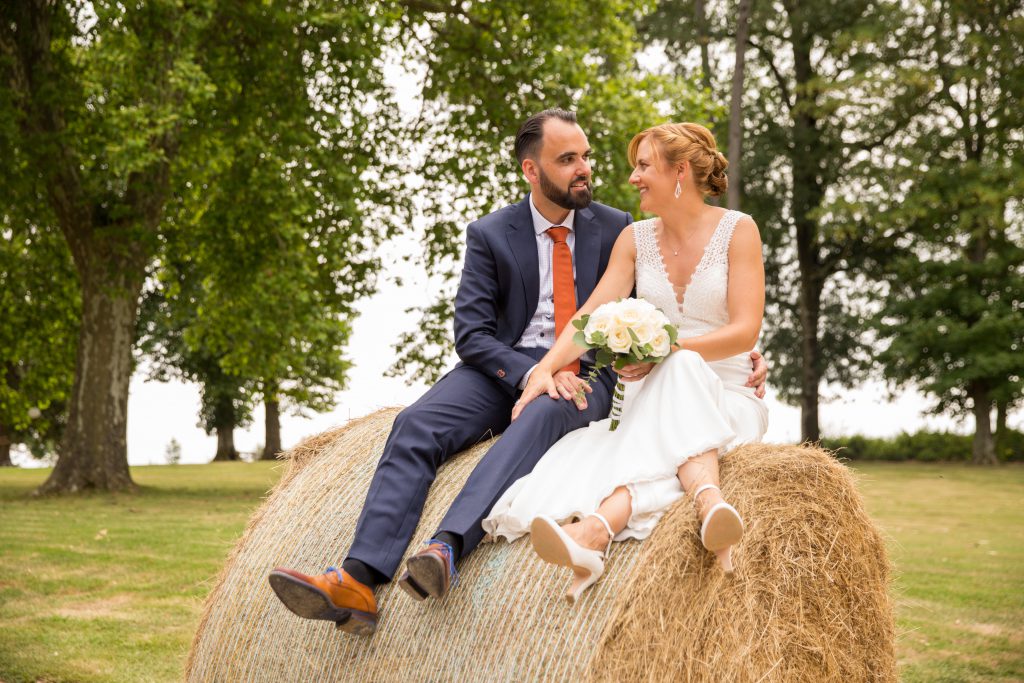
(634, 372)
(540, 382)
(564, 383)
(572, 388)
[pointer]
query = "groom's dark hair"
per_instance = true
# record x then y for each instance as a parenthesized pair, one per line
(531, 133)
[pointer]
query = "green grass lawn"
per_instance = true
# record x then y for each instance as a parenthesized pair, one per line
(109, 588)
(956, 537)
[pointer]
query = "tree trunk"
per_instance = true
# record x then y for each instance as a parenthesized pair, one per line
(224, 420)
(983, 451)
(272, 442)
(808, 192)
(226, 444)
(108, 226)
(736, 106)
(700, 19)
(1001, 410)
(5, 447)
(94, 451)
(810, 373)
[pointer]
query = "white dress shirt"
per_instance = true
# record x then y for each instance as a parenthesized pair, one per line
(540, 332)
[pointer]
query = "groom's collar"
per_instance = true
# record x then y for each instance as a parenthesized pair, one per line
(523, 214)
(541, 224)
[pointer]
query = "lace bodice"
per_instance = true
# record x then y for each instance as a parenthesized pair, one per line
(705, 305)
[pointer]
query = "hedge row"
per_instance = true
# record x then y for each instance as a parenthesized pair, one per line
(923, 447)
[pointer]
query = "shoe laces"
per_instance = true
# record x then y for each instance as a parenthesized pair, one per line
(449, 555)
(336, 571)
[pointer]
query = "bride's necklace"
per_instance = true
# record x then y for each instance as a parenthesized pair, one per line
(675, 252)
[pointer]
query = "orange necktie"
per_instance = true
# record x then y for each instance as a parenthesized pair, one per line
(565, 287)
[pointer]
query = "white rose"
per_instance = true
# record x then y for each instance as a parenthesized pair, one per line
(597, 323)
(628, 316)
(656, 319)
(604, 310)
(660, 343)
(646, 306)
(645, 332)
(619, 340)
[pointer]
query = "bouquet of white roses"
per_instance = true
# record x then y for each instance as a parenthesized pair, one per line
(625, 332)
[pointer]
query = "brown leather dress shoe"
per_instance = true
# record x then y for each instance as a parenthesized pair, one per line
(411, 587)
(431, 572)
(333, 596)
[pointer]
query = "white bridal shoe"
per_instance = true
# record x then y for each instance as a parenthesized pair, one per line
(721, 530)
(553, 545)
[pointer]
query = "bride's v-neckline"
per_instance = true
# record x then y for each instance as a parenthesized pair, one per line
(696, 269)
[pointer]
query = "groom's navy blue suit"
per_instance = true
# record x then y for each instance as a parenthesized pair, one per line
(497, 297)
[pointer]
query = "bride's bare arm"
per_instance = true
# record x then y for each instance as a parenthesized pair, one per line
(616, 283)
(745, 299)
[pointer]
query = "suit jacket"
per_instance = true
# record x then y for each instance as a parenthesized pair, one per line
(500, 283)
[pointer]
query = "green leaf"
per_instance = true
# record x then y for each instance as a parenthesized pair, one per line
(580, 339)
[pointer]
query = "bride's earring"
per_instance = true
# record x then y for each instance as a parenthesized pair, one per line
(679, 189)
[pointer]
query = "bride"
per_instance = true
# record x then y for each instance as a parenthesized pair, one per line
(701, 265)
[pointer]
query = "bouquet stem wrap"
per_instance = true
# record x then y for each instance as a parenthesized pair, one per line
(617, 398)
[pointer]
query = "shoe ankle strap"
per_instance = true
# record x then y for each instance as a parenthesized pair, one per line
(607, 527)
(704, 488)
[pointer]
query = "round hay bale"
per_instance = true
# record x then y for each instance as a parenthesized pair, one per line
(809, 601)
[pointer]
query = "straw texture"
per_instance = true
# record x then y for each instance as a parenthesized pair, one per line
(809, 601)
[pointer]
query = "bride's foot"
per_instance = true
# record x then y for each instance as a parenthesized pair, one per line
(554, 544)
(590, 532)
(721, 526)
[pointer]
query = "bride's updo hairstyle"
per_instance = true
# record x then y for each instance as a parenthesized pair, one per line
(687, 142)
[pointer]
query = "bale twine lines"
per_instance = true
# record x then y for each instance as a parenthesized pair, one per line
(809, 601)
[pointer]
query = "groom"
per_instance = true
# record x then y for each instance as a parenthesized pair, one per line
(528, 267)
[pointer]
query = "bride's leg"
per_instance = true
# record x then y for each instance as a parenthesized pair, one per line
(697, 471)
(721, 527)
(590, 532)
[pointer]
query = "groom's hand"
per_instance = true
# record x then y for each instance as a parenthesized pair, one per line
(540, 382)
(759, 373)
(634, 372)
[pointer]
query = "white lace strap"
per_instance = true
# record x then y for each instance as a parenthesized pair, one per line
(718, 248)
(646, 245)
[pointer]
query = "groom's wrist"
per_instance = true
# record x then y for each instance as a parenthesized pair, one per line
(526, 377)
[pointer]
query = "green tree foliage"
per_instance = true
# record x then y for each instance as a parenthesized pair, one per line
(923, 446)
(39, 301)
(119, 110)
(953, 314)
(39, 314)
(486, 66)
(826, 92)
(266, 258)
(101, 97)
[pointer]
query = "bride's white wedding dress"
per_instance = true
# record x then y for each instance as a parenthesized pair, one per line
(684, 407)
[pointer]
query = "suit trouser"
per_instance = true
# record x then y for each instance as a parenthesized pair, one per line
(464, 407)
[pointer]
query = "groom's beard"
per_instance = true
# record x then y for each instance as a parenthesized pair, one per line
(567, 199)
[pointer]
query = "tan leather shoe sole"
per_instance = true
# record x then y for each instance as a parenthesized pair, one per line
(407, 584)
(430, 574)
(309, 602)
